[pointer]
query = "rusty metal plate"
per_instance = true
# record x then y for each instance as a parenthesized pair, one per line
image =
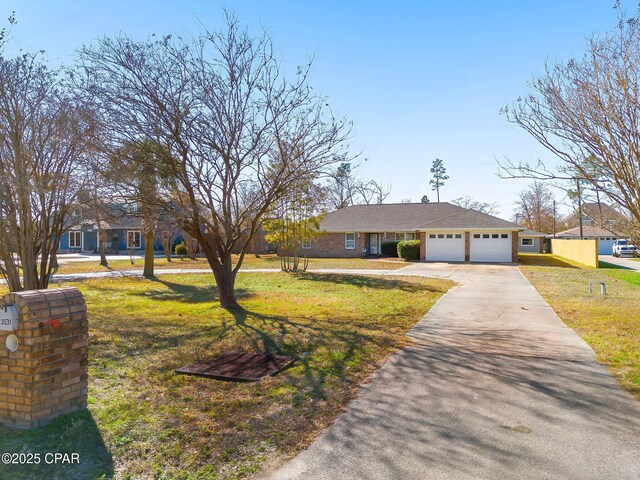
(239, 367)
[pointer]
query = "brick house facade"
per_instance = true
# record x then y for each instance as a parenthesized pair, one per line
(447, 233)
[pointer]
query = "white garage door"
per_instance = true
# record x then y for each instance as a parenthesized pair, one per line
(445, 247)
(491, 247)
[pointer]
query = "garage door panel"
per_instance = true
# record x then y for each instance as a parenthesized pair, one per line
(445, 247)
(491, 247)
(605, 246)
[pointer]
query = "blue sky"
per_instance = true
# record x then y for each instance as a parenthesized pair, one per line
(420, 80)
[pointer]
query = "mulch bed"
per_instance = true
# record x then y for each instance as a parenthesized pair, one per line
(240, 367)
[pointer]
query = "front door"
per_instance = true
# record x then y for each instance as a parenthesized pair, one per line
(373, 244)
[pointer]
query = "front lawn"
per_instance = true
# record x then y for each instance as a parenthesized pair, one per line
(144, 421)
(610, 324)
(250, 261)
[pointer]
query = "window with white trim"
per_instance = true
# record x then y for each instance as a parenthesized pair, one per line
(134, 239)
(405, 236)
(75, 239)
(306, 244)
(349, 241)
(526, 242)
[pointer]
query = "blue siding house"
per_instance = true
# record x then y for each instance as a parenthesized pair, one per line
(123, 232)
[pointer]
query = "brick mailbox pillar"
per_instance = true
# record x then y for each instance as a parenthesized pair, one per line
(43, 356)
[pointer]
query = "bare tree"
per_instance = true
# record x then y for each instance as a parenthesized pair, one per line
(342, 187)
(484, 207)
(167, 232)
(43, 141)
(219, 106)
(136, 171)
(373, 192)
(535, 207)
(585, 112)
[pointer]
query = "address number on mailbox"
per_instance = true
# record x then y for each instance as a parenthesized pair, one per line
(8, 318)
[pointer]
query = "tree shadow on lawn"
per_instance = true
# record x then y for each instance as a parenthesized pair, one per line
(190, 293)
(267, 334)
(544, 260)
(178, 292)
(367, 281)
(73, 433)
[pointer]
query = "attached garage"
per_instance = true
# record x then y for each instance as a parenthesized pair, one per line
(491, 247)
(445, 247)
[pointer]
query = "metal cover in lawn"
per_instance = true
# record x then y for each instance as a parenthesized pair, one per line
(239, 367)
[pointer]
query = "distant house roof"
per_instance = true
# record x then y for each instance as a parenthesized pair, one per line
(123, 223)
(391, 217)
(587, 231)
(531, 233)
(598, 212)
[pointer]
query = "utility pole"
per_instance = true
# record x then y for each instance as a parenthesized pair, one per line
(554, 219)
(580, 208)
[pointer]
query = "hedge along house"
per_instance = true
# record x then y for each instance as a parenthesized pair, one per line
(447, 232)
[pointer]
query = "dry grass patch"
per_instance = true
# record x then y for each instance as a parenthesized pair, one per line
(156, 424)
(610, 324)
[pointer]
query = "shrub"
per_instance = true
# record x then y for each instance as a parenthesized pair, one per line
(181, 250)
(390, 249)
(409, 249)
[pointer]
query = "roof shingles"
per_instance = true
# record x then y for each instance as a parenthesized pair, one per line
(408, 217)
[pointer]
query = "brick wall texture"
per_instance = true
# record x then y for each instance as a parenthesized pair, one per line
(333, 245)
(47, 376)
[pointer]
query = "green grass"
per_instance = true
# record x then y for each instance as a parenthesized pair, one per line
(610, 324)
(621, 273)
(144, 421)
(250, 261)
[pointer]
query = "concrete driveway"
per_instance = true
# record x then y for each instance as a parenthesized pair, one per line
(621, 262)
(495, 386)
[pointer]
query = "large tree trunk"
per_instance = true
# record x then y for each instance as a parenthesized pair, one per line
(102, 245)
(148, 254)
(222, 267)
(226, 282)
(166, 245)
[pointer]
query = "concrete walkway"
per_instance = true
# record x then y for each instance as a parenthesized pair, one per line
(495, 386)
(621, 262)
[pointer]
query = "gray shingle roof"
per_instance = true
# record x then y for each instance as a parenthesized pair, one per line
(587, 231)
(531, 233)
(399, 217)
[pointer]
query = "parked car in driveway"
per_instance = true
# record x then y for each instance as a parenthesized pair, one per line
(623, 248)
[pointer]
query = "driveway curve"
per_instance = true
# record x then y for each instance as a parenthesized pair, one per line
(621, 262)
(494, 386)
